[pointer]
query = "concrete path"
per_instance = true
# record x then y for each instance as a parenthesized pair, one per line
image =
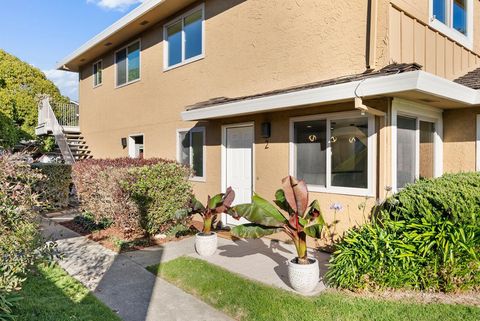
(123, 284)
(262, 260)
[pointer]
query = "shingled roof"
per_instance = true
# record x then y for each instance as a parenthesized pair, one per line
(470, 79)
(387, 70)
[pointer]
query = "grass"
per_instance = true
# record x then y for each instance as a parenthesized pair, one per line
(247, 300)
(50, 294)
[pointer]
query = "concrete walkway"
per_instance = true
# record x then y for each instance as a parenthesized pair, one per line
(262, 260)
(123, 284)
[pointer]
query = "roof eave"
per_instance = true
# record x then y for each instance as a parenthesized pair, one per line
(414, 81)
(117, 26)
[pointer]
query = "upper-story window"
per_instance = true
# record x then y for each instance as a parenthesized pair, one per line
(454, 19)
(97, 73)
(184, 39)
(127, 62)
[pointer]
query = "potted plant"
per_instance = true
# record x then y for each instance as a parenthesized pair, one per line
(206, 239)
(297, 220)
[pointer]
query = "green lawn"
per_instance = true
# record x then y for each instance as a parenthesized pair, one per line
(247, 300)
(51, 294)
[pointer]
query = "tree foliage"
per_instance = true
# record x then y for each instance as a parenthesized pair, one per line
(20, 83)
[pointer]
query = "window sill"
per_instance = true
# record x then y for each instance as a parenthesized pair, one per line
(99, 85)
(186, 62)
(198, 179)
(453, 34)
(341, 191)
(128, 83)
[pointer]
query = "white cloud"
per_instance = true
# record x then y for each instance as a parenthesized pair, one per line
(66, 81)
(115, 4)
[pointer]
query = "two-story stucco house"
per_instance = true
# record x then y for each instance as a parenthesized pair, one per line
(355, 97)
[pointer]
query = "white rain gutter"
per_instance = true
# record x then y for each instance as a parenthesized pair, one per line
(414, 81)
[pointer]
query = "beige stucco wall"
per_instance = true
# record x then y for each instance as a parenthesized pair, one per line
(251, 47)
(411, 39)
(459, 131)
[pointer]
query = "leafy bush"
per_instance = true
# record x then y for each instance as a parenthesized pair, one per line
(88, 223)
(20, 241)
(427, 237)
(159, 190)
(136, 194)
(55, 190)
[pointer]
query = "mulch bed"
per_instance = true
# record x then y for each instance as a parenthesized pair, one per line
(114, 239)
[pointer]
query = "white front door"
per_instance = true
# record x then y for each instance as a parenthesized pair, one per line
(238, 165)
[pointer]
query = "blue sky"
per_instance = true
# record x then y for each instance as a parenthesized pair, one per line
(42, 32)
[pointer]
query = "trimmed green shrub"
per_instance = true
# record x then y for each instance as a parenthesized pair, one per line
(426, 237)
(159, 191)
(20, 241)
(55, 190)
(88, 223)
(135, 194)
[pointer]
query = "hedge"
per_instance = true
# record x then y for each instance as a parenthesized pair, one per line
(427, 237)
(135, 194)
(55, 190)
(21, 244)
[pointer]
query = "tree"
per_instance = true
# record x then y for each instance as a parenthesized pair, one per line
(20, 83)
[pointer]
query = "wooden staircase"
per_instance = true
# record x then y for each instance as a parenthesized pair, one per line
(62, 122)
(78, 146)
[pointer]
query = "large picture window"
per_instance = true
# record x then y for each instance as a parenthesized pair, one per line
(334, 153)
(127, 61)
(184, 38)
(191, 151)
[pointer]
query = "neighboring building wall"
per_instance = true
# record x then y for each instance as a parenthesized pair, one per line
(459, 131)
(411, 39)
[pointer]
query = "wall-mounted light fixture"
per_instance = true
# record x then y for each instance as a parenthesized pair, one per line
(124, 142)
(266, 130)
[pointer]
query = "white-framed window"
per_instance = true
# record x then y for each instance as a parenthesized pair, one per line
(136, 146)
(127, 62)
(184, 38)
(334, 153)
(191, 150)
(97, 73)
(454, 18)
(417, 136)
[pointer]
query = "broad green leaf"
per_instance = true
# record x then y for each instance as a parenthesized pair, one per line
(314, 228)
(253, 231)
(281, 201)
(197, 206)
(260, 211)
(215, 201)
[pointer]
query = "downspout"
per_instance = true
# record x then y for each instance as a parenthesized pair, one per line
(371, 43)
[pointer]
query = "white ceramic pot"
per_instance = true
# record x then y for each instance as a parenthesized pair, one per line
(303, 278)
(206, 245)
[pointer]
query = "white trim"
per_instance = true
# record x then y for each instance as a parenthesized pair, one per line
(204, 165)
(448, 30)
(223, 180)
(478, 143)
(116, 85)
(177, 19)
(420, 112)
(135, 14)
(372, 154)
(415, 81)
(93, 72)
(131, 144)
